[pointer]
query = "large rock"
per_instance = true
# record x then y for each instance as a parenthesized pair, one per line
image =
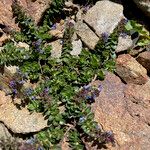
(34, 8)
(144, 5)
(104, 16)
(130, 70)
(144, 60)
(89, 38)
(138, 101)
(19, 120)
(111, 112)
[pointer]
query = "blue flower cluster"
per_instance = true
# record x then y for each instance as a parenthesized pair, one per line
(90, 93)
(37, 45)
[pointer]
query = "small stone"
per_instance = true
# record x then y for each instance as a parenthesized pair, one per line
(124, 43)
(77, 47)
(56, 49)
(89, 38)
(11, 69)
(130, 70)
(56, 33)
(23, 45)
(104, 16)
(144, 60)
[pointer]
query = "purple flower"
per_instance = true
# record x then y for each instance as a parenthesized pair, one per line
(12, 84)
(82, 119)
(46, 90)
(87, 87)
(109, 136)
(33, 97)
(28, 91)
(123, 34)
(21, 82)
(40, 148)
(124, 21)
(38, 43)
(105, 36)
(14, 91)
(53, 27)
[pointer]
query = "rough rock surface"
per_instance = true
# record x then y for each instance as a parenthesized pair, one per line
(4, 133)
(144, 5)
(19, 121)
(130, 70)
(56, 49)
(104, 16)
(111, 111)
(144, 60)
(124, 43)
(89, 38)
(77, 47)
(34, 9)
(138, 100)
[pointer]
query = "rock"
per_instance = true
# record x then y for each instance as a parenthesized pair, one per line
(144, 60)
(19, 120)
(104, 16)
(56, 33)
(11, 69)
(138, 101)
(111, 112)
(23, 45)
(3, 38)
(6, 14)
(56, 49)
(4, 133)
(135, 51)
(37, 8)
(124, 43)
(130, 70)
(34, 9)
(77, 47)
(58, 30)
(89, 38)
(144, 5)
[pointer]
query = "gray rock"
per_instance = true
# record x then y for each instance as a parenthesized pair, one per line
(104, 16)
(77, 47)
(124, 43)
(56, 49)
(144, 5)
(130, 70)
(89, 38)
(19, 120)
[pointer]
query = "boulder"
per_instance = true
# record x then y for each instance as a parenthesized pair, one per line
(104, 17)
(138, 101)
(124, 43)
(35, 9)
(130, 70)
(89, 38)
(19, 120)
(111, 112)
(144, 5)
(144, 60)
